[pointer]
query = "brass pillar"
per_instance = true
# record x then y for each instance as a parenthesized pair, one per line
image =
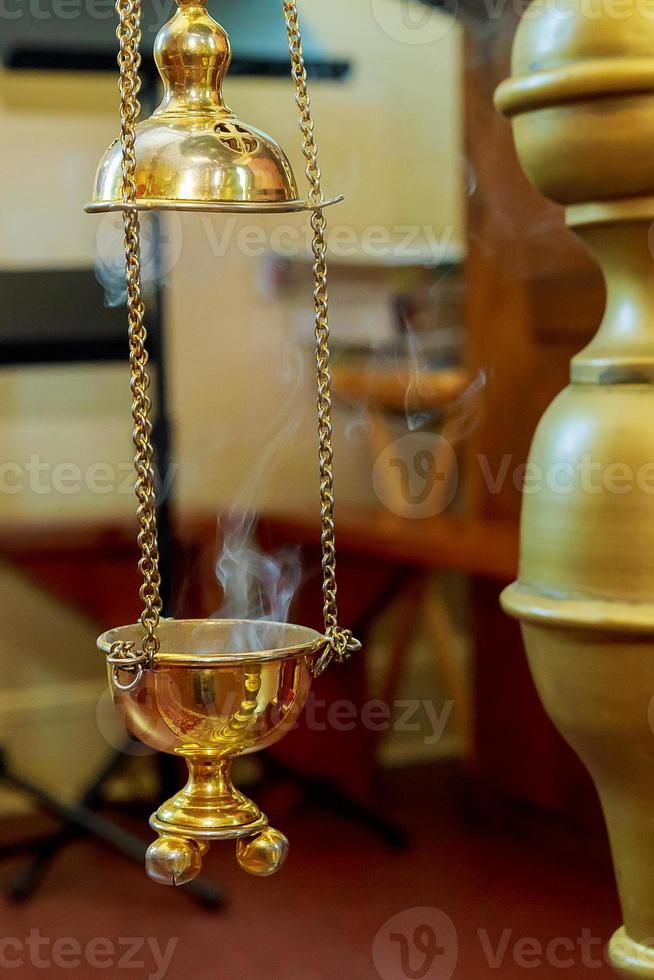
(581, 98)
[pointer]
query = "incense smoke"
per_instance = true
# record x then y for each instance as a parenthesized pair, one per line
(259, 587)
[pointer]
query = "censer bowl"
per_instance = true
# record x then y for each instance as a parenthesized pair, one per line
(217, 689)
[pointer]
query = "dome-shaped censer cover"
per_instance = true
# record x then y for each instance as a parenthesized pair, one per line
(210, 690)
(193, 153)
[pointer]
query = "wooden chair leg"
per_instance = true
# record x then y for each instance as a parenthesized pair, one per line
(409, 605)
(452, 669)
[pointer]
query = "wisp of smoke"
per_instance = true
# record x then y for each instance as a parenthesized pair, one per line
(110, 256)
(258, 588)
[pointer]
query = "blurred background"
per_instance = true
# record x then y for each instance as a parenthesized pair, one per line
(425, 787)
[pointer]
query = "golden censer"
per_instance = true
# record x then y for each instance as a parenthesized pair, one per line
(210, 690)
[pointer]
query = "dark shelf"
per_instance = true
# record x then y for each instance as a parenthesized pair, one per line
(58, 316)
(102, 60)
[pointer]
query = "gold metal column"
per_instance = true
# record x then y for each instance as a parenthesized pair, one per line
(581, 98)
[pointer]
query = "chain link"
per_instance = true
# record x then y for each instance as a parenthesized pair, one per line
(341, 642)
(129, 61)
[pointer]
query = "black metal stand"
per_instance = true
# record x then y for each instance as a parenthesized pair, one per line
(80, 820)
(62, 346)
(324, 794)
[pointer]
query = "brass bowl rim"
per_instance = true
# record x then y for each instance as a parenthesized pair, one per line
(314, 642)
(229, 207)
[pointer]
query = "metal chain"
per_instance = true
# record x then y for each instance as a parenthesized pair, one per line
(125, 657)
(341, 641)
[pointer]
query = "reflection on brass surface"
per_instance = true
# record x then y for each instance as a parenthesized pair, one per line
(582, 103)
(193, 153)
(209, 699)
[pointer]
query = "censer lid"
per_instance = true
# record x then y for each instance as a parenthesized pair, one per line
(193, 153)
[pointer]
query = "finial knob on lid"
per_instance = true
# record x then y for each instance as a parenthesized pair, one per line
(193, 153)
(192, 54)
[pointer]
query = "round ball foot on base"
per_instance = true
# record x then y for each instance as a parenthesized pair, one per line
(174, 860)
(631, 959)
(264, 854)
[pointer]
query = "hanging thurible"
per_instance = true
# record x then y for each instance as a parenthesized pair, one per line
(210, 690)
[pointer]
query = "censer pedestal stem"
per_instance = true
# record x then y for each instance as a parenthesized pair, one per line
(211, 808)
(209, 805)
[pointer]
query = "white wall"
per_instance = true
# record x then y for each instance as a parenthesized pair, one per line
(390, 139)
(243, 391)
